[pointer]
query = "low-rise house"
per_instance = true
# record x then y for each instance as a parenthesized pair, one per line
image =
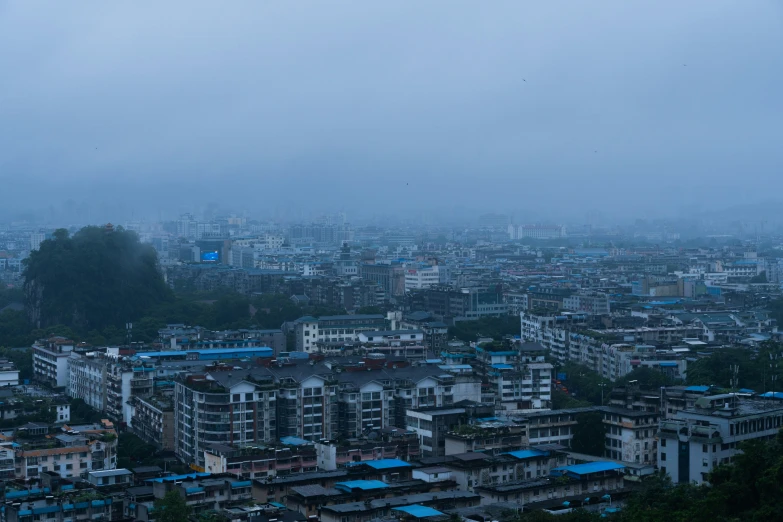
(73, 509)
(372, 509)
(593, 479)
(110, 478)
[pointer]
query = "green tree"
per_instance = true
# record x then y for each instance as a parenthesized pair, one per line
(93, 280)
(493, 327)
(585, 384)
(15, 329)
(645, 378)
(561, 401)
(81, 413)
(589, 434)
(22, 358)
(133, 451)
(172, 508)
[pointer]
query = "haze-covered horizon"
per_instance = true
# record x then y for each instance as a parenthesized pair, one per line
(544, 111)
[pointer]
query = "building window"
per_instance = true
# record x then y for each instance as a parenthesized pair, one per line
(663, 457)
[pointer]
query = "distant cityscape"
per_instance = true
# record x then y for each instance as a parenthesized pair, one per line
(450, 372)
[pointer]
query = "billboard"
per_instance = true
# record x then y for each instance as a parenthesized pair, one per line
(210, 257)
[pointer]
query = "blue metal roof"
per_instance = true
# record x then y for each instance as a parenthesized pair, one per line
(697, 388)
(528, 453)
(350, 485)
(768, 395)
(173, 478)
(242, 484)
(667, 363)
(590, 467)
(295, 441)
(388, 463)
(419, 511)
(499, 366)
(262, 350)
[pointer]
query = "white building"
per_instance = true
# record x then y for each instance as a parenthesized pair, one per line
(536, 231)
(696, 441)
(50, 361)
(595, 303)
(422, 277)
(9, 375)
(36, 238)
(311, 331)
(87, 379)
(631, 436)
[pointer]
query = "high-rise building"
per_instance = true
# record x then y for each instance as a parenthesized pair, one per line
(223, 407)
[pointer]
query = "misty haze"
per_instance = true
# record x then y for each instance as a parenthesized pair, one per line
(540, 110)
(345, 261)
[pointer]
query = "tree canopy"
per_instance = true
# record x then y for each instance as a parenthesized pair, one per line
(172, 508)
(589, 434)
(494, 327)
(92, 280)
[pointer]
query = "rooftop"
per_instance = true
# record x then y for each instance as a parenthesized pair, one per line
(590, 467)
(419, 511)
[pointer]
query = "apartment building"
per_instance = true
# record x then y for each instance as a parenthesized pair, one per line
(389, 277)
(520, 381)
(614, 352)
(433, 425)
(435, 331)
(693, 442)
(50, 361)
(405, 344)
(307, 408)
(554, 426)
(631, 435)
(593, 479)
(223, 407)
(389, 443)
(108, 383)
(492, 437)
(75, 456)
(261, 462)
(593, 303)
(311, 331)
(153, 420)
(424, 277)
(87, 379)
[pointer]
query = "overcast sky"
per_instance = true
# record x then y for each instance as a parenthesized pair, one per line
(546, 109)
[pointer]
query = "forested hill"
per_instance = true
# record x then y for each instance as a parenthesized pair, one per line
(96, 278)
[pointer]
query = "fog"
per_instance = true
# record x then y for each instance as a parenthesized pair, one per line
(544, 110)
